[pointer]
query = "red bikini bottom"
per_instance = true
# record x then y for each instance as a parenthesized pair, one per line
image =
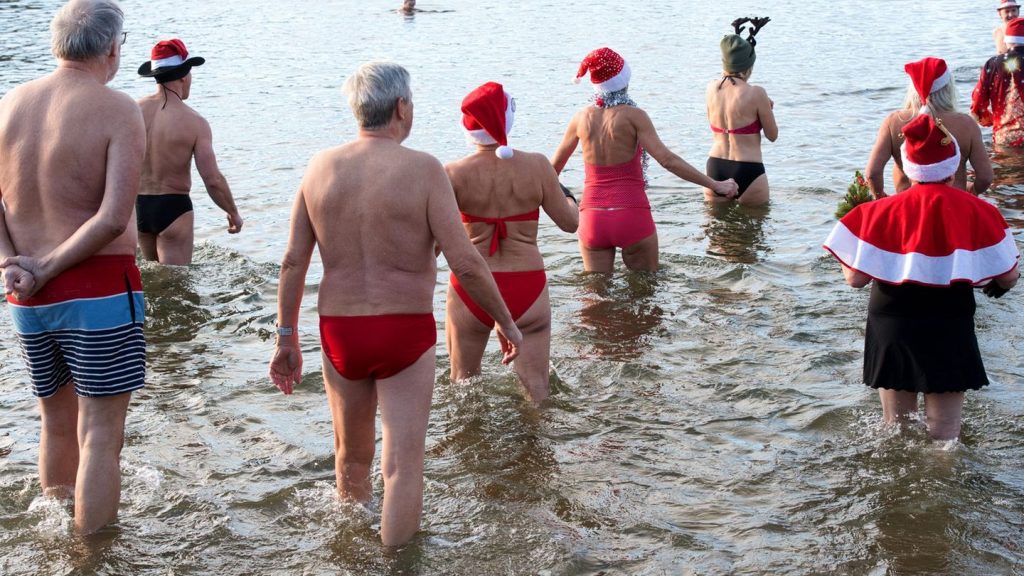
(618, 228)
(376, 347)
(519, 290)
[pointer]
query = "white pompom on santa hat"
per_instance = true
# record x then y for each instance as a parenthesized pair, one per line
(609, 72)
(929, 75)
(487, 115)
(930, 153)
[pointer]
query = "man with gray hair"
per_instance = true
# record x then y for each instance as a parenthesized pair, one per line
(71, 153)
(376, 210)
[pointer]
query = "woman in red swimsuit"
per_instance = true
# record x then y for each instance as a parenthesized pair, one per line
(738, 112)
(500, 193)
(617, 136)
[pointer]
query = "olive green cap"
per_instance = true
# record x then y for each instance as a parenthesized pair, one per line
(737, 54)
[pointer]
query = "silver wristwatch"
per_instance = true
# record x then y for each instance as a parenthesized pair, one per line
(285, 331)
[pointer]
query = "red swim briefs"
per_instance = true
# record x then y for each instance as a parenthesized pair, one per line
(377, 347)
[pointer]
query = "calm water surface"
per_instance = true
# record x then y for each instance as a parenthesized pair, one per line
(708, 419)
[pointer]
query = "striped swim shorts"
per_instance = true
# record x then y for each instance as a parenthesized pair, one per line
(85, 326)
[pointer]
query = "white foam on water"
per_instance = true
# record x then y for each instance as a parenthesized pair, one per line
(55, 520)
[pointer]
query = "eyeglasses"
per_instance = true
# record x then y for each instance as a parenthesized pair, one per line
(124, 38)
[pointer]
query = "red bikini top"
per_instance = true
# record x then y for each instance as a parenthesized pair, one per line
(500, 230)
(752, 128)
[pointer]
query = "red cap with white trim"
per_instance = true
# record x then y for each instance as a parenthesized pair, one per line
(609, 72)
(487, 115)
(930, 153)
(168, 57)
(929, 75)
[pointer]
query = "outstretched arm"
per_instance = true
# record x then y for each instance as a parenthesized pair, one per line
(563, 210)
(648, 138)
(215, 182)
(568, 145)
(286, 366)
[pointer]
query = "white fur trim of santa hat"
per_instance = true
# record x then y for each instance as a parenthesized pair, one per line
(937, 172)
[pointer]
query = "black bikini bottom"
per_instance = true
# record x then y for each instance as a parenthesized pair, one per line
(744, 173)
(155, 213)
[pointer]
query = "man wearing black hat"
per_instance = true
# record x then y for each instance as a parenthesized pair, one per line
(176, 133)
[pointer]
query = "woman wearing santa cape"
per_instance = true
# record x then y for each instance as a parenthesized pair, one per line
(923, 251)
(500, 192)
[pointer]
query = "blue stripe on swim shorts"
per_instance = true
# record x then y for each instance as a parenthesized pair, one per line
(97, 343)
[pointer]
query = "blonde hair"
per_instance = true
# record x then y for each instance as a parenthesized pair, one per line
(942, 100)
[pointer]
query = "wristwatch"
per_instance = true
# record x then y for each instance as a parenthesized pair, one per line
(285, 331)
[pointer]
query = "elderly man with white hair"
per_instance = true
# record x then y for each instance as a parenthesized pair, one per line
(376, 210)
(71, 153)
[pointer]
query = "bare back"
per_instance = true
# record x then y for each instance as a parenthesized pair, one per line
(172, 131)
(368, 203)
(59, 137)
(734, 104)
(609, 136)
(487, 186)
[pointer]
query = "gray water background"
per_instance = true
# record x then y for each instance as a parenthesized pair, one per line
(708, 419)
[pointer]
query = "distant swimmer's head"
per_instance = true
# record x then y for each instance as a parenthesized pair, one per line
(1008, 10)
(609, 72)
(409, 6)
(169, 61)
(931, 86)
(86, 29)
(930, 152)
(738, 54)
(487, 115)
(375, 91)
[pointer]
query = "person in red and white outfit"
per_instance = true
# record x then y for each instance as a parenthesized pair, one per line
(924, 251)
(1007, 10)
(500, 192)
(996, 100)
(617, 136)
(932, 91)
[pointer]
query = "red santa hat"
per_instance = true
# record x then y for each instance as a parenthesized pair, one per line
(1007, 4)
(487, 115)
(929, 75)
(169, 57)
(930, 153)
(1014, 32)
(609, 72)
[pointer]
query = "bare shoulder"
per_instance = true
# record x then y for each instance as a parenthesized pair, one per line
(420, 160)
(758, 91)
(533, 159)
(119, 101)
